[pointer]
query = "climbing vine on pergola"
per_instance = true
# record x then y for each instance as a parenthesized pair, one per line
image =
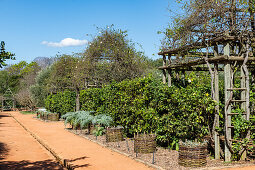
(215, 33)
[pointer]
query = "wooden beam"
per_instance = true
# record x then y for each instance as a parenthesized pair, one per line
(218, 59)
(198, 45)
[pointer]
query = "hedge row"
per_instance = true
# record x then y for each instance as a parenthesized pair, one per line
(146, 105)
(61, 103)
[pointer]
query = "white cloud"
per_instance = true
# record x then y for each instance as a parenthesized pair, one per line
(67, 42)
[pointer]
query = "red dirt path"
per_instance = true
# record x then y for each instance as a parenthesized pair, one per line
(80, 153)
(19, 150)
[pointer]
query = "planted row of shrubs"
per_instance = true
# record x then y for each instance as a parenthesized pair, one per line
(147, 105)
(86, 119)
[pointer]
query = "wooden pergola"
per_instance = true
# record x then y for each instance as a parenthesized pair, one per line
(229, 61)
(8, 100)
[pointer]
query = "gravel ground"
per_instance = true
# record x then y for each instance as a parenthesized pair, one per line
(165, 158)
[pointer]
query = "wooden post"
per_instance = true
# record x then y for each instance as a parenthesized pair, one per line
(252, 83)
(217, 110)
(164, 70)
(243, 104)
(169, 71)
(227, 84)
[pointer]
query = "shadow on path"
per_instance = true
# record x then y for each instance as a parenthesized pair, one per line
(3, 150)
(76, 159)
(46, 164)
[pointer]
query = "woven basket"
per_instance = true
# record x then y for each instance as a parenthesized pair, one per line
(192, 156)
(53, 116)
(114, 134)
(145, 143)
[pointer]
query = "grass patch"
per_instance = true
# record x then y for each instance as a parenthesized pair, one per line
(27, 112)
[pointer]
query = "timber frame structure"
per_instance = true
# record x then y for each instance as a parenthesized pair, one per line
(8, 100)
(216, 36)
(244, 60)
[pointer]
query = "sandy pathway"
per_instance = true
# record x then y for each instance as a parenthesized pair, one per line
(19, 150)
(81, 153)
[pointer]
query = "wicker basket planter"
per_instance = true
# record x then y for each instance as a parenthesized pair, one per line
(53, 116)
(192, 156)
(114, 134)
(48, 116)
(145, 143)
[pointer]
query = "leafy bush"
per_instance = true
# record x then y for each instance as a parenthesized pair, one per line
(78, 119)
(102, 120)
(61, 103)
(146, 105)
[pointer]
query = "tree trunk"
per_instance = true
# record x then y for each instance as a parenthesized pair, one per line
(77, 90)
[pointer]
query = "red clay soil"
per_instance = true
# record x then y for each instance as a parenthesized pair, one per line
(79, 152)
(19, 150)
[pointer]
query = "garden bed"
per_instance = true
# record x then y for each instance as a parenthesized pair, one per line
(164, 158)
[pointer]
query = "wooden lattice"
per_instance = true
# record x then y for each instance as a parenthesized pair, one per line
(8, 101)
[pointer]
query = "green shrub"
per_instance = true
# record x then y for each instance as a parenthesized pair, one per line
(146, 105)
(78, 119)
(61, 103)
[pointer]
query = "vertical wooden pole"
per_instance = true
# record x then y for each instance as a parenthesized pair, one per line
(164, 70)
(243, 104)
(252, 83)
(217, 110)
(169, 71)
(227, 84)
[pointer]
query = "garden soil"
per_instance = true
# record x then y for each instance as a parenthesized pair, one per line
(77, 151)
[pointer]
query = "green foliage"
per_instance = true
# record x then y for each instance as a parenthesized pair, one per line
(84, 118)
(39, 90)
(102, 120)
(62, 102)
(146, 105)
(112, 56)
(99, 131)
(4, 55)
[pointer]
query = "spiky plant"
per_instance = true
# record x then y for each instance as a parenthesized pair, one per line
(69, 118)
(85, 118)
(102, 120)
(78, 118)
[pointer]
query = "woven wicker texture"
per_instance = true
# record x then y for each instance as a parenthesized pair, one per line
(114, 134)
(53, 117)
(145, 143)
(192, 156)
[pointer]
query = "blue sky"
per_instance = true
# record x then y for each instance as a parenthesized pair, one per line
(35, 28)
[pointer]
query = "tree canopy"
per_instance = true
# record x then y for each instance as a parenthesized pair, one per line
(4, 55)
(206, 21)
(112, 56)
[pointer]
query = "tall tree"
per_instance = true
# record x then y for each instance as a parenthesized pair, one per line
(112, 56)
(4, 55)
